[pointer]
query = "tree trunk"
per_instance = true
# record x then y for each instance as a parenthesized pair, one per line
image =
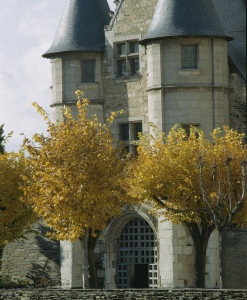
(222, 234)
(200, 263)
(91, 243)
(1, 256)
(200, 238)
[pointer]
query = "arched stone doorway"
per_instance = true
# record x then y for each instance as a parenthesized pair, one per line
(137, 256)
(113, 234)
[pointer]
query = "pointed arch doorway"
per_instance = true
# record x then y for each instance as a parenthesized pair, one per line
(137, 256)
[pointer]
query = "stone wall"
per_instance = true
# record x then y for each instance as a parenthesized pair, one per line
(236, 258)
(34, 258)
(237, 101)
(188, 294)
(127, 93)
(188, 93)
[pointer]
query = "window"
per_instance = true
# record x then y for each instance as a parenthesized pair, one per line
(134, 66)
(121, 68)
(124, 132)
(129, 135)
(137, 129)
(189, 57)
(88, 70)
(127, 58)
(186, 128)
(133, 47)
(121, 49)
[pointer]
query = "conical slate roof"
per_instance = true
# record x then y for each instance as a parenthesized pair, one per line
(183, 18)
(81, 27)
(232, 15)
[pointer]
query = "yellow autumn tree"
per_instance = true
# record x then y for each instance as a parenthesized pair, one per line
(16, 216)
(76, 177)
(193, 181)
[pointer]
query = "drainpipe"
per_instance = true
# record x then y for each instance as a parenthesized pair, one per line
(213, 88)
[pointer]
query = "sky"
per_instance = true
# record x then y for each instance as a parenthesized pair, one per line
(27, 29)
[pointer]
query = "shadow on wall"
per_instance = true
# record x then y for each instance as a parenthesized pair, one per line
(41, 273)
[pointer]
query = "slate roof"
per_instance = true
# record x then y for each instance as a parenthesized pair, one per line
(81, 27)
(223, 18)
(232, 14)
(183, 18)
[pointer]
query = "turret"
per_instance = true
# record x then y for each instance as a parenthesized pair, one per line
(187, 65)
(76, 58)
(76, 52)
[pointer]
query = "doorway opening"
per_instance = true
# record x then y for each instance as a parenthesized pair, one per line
(137, 256)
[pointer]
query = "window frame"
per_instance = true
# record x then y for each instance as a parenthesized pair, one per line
(186, 127)
(131, 143)
(83, 73)
(121, 72)
(186, 65)
(129, 55)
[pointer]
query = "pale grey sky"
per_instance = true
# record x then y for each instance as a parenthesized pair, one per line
(27, 29)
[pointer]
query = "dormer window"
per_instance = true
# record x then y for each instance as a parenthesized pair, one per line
(189, 56)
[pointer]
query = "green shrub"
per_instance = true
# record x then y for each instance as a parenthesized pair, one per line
(7, 283)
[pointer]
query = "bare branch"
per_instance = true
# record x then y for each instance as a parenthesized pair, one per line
(243, 164)
(206, 202)
(175, 210)
(229, 184)
(240, 203)
(215, 185)
(220, 215)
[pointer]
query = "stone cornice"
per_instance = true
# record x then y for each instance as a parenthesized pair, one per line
(70, 103)
(184, 85)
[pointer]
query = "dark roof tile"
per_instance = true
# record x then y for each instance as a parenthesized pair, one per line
(183, 18)
(81, 27)
(232, 15)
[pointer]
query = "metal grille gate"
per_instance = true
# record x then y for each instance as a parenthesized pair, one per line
(137, 246)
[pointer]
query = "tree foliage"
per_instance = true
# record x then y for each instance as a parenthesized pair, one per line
(75, 181)
(76, 176)
(193, 181)
(15, 215)
(192, 177)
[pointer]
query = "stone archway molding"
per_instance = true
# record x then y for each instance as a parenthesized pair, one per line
(112, 234)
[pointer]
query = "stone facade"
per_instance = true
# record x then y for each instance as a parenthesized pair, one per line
(210, 95)
(162, 93)
(175, 255)
(235, 258)
(34, 258)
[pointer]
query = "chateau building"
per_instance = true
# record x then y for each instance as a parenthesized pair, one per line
(166, 62)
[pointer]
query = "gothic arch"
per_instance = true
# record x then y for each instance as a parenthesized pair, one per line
(112, 234)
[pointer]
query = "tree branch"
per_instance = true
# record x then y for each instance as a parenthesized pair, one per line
(215, 185)
(229, 184)
(175, 210)
(240, 204)
(206, 202)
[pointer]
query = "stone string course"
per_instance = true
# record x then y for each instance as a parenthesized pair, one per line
(181, 294)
